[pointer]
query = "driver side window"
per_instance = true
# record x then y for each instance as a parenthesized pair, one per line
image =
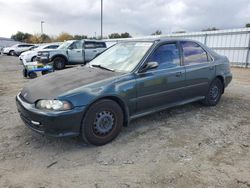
(76, 45)
(167, 56)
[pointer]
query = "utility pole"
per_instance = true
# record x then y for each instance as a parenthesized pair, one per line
(42, 22)
(101, 18)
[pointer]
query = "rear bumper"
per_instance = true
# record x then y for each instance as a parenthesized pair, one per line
(228, 78)
(56, 124)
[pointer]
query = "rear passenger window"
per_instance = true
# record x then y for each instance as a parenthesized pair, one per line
(52, 47)
(193, 53)
(89, 45)
(100, 45)
(167, 56)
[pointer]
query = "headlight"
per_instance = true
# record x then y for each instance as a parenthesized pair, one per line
(54, 105)
(43, 53)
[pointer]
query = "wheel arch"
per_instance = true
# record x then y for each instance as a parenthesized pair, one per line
(221, 78)
(33, 57)
(59, 55)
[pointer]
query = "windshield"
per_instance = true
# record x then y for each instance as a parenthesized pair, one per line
(65, 45)
(122, 57)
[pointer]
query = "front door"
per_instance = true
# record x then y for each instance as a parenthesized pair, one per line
(162, 86)
(75, 52)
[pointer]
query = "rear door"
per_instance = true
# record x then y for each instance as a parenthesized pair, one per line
(100, 47)
(200, 69)
(90, 50)
(161, 86)
(75, 52)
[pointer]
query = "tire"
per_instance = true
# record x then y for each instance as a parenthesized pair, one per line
(214, 93)
(45, 72)
(32, 75)
(59, 63)
(12, 53)
(33, 59)
(102, 122)
(25, 73)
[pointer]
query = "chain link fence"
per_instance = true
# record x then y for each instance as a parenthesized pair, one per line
(233, 43)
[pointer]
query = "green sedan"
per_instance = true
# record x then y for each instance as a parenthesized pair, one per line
(130, 79)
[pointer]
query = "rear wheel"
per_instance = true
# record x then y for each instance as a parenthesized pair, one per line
(12, 53)
(102, 122)
(214, 93)
(59, 63)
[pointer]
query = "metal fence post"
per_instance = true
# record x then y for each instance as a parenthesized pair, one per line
(205, 39)
(248, 50)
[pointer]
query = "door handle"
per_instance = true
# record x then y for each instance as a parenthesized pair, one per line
(94, 50)
(178, 74)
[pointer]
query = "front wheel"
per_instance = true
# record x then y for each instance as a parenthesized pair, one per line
(214, 93)
(33, 59)
(12, 53)
(102, 122)
(59, 63)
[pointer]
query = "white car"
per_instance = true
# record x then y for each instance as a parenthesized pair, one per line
(17, 49)
(30, 56)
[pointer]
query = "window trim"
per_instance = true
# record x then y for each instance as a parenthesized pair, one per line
(153, 51)
(182, 53)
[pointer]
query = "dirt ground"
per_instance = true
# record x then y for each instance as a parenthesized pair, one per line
(187, 146)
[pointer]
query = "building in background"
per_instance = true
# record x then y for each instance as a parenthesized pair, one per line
(6, 42)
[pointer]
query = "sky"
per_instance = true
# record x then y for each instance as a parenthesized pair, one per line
(138, 17)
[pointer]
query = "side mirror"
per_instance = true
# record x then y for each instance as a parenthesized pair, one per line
(150, 65)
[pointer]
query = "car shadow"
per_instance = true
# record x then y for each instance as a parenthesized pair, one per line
(146, 122)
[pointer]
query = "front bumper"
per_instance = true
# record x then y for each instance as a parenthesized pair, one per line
(56, 124)
(43, 59)
(228, 78)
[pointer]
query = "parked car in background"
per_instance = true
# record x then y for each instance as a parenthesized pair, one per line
(30, 56)
(72, 52)
(129, 80)
(17, 49)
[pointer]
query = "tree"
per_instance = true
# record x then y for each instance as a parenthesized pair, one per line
(64, 36)
(114, 36)
(35, 39)
(45, 38)
(210, 29)
(125, 35)
(179, 32)
(20, 36)
(248, 25)
(117, 35)
(157, 32)
(80, 37)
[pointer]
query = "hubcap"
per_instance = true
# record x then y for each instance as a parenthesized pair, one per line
(59, 65)
(104, 123)
(214, 92)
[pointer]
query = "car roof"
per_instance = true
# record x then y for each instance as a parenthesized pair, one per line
(158, 39)
(88, 40)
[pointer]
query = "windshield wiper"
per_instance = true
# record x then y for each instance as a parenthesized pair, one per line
(101, 67)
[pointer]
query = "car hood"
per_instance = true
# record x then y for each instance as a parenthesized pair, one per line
(26, 53)
(52, 85)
